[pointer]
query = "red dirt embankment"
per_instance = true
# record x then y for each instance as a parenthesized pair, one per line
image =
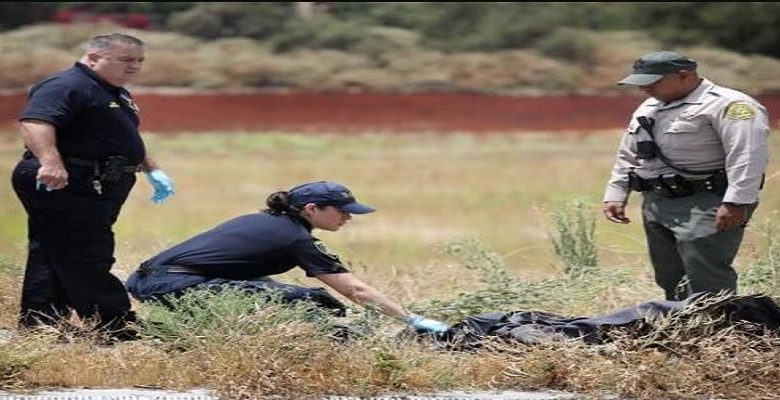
(373, 112)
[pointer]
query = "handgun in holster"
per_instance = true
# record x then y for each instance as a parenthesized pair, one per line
(637, 183)
(720, 182)
(112, 168)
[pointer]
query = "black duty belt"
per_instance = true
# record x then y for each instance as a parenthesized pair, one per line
(679, 186)
(146, 270)
(83, 162)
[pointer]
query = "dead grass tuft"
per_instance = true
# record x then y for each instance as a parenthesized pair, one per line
(692, 354)
(10, 288)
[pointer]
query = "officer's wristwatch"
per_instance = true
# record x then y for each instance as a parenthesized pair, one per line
(735, 204)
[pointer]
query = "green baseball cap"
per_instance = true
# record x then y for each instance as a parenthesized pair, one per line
(651, 67)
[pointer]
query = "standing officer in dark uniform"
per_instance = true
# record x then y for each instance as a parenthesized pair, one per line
(697, 152)
(243, 252)
(80, 129)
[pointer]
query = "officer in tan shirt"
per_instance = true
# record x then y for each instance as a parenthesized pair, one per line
(697, 152)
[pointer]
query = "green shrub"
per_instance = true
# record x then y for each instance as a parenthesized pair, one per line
(763, 274)
(568, 44)
(200, 316)
(749, 27)
(575, 238)
(504, 293)
(195, 22)
(325, 32)
(256, 20)
(471, 26)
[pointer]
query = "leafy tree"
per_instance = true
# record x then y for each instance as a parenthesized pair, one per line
(256, 20)
(747, 27)
(326, 32)
(16, 14)
(496, 25)
(752, 27)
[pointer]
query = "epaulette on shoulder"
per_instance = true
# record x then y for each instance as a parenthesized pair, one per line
(714, 93)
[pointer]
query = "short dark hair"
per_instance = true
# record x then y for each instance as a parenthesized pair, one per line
(103, 42)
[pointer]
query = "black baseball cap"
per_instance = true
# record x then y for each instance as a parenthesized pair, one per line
(324, 193)
(651, 67)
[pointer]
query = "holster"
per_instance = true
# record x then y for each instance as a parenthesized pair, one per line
(720, 182)
(636, 183)
(113, 168)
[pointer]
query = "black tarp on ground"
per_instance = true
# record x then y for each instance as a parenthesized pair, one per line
(753, 312)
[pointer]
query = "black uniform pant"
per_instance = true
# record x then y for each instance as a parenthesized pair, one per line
(160, 282)
(290, 293)
(71, 248)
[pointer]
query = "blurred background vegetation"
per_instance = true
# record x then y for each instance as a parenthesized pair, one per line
(751, 27)
(515, 47)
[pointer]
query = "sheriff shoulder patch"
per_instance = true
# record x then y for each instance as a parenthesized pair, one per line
(740, 111)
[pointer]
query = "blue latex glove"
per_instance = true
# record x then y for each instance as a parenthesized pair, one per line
(427, 325)
(162, 183)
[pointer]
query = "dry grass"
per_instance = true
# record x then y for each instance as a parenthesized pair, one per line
(9, 296)
(690, 355)
(32, 52)
(429, 190)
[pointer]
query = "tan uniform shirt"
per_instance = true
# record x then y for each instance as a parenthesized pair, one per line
(711, 128)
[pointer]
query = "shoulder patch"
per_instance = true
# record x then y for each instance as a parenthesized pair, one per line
(739, 111)
(324, 250)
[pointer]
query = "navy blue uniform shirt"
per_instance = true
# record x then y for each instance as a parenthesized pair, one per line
(94, 119)
(252, 246)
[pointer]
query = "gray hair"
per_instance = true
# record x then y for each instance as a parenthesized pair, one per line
(104, 42)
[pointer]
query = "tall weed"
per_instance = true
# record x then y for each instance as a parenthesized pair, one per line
(504, 293)
(575, 238)
(763, 274)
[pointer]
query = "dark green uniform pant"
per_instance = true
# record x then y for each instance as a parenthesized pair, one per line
(683, 242)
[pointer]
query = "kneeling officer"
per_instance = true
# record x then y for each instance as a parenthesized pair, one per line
(242, 252)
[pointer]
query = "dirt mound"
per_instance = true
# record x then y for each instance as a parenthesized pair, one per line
(372, 112)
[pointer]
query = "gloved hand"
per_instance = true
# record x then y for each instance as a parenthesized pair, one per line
(162, 183)
(427, 325)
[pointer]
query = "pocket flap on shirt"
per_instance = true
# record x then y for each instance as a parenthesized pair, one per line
(684, 127)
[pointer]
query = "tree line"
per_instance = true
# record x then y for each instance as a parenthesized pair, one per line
(748, 28)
